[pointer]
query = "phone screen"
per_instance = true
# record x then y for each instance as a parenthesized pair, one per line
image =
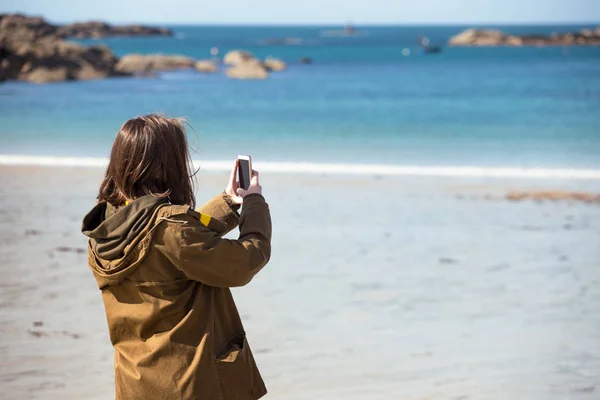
(244, 173)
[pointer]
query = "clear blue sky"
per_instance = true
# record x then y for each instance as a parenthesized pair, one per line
(312, 11)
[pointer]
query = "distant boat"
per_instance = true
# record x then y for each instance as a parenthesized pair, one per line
(348, 30)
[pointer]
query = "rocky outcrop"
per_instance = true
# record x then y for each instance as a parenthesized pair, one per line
(274, 64)
(31, 50)
(252, 69)
(206, 66)
(98, 29)
(492, 37)
(80, 30)
(23, 28)
(236, 57)
(148, 63)
(479, 37)
(50, 60)
(246, 66)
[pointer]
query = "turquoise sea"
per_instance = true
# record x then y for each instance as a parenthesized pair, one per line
(361, 101)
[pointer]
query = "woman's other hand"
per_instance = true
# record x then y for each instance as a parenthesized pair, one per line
(233, 185)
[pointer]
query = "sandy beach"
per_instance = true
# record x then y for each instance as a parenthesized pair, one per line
(378, 288)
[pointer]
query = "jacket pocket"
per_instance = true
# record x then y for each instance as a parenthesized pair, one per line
(238, 375)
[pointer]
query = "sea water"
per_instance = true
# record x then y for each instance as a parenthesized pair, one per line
(361, 102)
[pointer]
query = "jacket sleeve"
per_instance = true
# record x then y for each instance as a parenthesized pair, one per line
(206, 257)
(222, 208)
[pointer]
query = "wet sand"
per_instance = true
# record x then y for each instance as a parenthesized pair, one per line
(379, 288)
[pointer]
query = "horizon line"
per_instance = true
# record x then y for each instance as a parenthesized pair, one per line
(336, 24)
(315, 24)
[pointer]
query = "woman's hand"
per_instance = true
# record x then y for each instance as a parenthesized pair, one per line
(253, 188)
(235, 192)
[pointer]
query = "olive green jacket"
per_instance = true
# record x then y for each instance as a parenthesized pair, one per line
(165, 273)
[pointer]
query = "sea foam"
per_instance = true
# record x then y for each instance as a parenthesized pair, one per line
(331, 168)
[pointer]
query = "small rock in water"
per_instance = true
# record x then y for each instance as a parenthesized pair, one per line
(206, 66)
(274, 64)
(38, 323)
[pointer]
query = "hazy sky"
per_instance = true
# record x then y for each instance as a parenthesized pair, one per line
(312, 11)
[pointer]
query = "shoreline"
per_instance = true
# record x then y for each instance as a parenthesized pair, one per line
(7, 160)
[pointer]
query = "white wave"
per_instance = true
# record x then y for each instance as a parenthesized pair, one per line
(328, 168)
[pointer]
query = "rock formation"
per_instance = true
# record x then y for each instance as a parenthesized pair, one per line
(148, 63)
(252, 69)
(31, 50)
(236, 57)
(97, 29)
(492, 37)
(246, 66)
(274, 64)
(206, 66)
(25, 28)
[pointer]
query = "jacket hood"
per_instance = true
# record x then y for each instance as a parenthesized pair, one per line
(114, 233)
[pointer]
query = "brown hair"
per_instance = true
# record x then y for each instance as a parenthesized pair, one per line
(149, 156)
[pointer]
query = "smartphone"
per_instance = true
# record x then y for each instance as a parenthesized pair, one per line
(244, 171)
